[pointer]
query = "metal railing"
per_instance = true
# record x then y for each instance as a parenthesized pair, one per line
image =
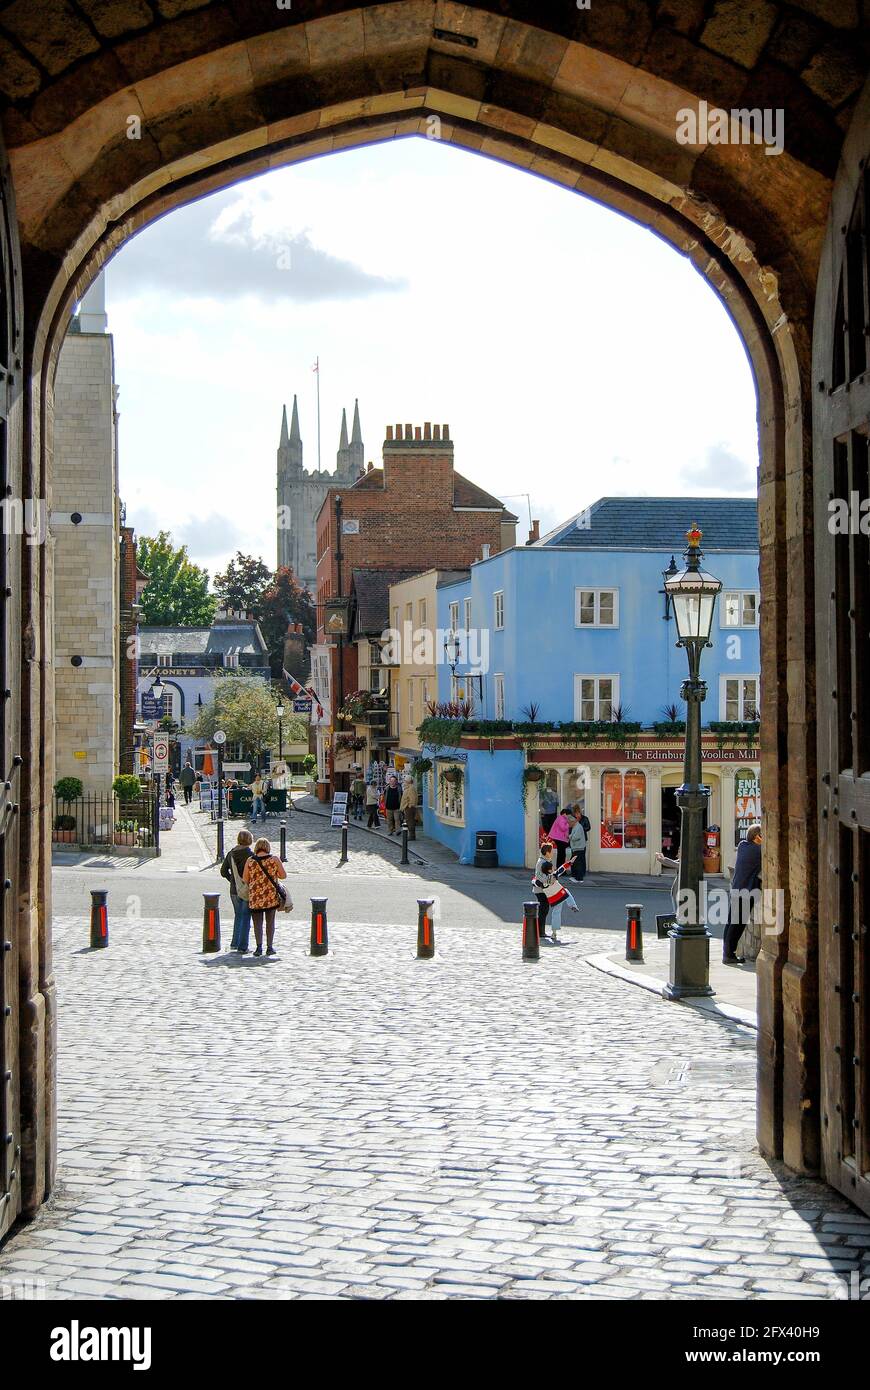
(99, 819)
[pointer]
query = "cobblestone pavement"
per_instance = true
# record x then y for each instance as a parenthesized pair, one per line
(372, 1126)
(313, 846)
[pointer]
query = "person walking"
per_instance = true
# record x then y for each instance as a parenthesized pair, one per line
(357, 794)
(542, 879)
(392, 803)
(578, 841)
(559, 835)
(261, 873)
(408, 806)
(233, 869)
(258, 792)
(548, 803)
(186, 778)
(745, 879)
(373, 796)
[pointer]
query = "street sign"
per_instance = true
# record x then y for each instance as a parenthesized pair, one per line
(237, 767)
(160, 761)
(219, 737)
(301, 706)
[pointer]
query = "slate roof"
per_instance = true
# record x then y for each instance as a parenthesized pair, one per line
(243, 637)
(660, 523)
(372, 589)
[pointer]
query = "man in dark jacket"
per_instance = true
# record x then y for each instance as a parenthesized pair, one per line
(745, 879)
(186, 778)
(232, 869)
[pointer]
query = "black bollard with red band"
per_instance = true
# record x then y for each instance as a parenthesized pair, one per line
(425, 929)
(319, 928)
(211, 923)
(99, 918)
(634, 932)
(531, 939)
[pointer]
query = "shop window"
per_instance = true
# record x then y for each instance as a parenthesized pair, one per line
(747, 802)
(623, 810)
(451, 794)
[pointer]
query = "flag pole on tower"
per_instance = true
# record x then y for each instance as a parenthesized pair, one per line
(316, 370)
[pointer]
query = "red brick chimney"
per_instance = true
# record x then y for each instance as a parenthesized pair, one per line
(535, 533)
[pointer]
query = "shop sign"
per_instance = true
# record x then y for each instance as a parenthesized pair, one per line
(747, 805)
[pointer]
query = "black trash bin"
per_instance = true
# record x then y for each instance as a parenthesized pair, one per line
(485, 852)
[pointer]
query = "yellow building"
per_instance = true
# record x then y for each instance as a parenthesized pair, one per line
(417, 646)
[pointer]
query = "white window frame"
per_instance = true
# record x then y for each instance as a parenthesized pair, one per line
(498, 695)
(422, 613)
(742, 677)
(447, 800)
(596, 593)
(411, 703)
(498, 610)
(453, 623)
(397, 703)
(466, 613)
(740, 594)
(580, 676)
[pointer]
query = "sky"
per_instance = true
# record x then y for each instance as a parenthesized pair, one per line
(573, 354)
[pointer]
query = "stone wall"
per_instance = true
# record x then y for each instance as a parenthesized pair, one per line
(86, 562)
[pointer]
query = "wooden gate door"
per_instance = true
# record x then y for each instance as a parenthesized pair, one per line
(11, 539)
(841, 434)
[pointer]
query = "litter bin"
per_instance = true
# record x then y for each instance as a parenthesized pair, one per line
(485, 852)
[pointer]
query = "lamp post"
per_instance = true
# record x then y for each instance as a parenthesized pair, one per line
(280, 713)
(693, 594)
(157, 692)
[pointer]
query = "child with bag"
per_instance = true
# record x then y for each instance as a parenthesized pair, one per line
(266, 895)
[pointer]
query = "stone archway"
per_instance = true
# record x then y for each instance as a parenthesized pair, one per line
(114, 120)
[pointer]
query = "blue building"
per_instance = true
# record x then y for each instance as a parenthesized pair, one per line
(572, 630)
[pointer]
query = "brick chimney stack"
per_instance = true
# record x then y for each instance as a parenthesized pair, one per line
(535, 533)
(420, 459)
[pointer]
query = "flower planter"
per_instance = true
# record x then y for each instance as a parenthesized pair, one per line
(534, 774)
(124, 837)
(64, 837)
(454, 778)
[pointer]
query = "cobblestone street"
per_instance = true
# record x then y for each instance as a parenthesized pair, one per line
(371, 1126)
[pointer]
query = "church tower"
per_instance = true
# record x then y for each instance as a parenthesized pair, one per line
(301, 494)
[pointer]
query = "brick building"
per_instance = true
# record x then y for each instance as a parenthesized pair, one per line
(413, 513)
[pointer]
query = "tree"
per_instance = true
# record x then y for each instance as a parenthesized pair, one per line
(242, 583)
(245, 710)
(177, 592)
(285, 601)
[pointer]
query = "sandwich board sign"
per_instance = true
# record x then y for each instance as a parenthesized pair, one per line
(339, 809)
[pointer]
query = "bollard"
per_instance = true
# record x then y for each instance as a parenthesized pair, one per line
(634, 932)
(211, 923)
(283, 844)
(220, 840)
(319, 930)
(404, 859)
(343, 859)
(664, 922)
(425, 929)
(531, 941)
(99, 917)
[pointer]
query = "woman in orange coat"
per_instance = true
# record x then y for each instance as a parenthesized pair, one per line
(261, 873)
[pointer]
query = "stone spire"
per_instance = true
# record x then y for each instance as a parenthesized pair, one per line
(295, 436)
(285, 439)
(356, 436)
(355, 453)
(343, 441)
(290, 445)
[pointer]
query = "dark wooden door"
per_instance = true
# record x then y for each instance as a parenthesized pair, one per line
(841, 426)
(11, 522)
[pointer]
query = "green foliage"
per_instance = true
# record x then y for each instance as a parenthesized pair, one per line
(669, 728)
(64, 822)
(284, 601)
(177, 590)
(531, 773)
(309, 764)
(245, 710)
(127, 787)
(68, 788)
(441, 733)
(731, 730)
(487, 728)
(242, 583)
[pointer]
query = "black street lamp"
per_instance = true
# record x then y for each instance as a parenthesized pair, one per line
(693, 594)
(280, 713)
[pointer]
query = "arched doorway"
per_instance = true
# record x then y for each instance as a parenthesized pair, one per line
(197, 102)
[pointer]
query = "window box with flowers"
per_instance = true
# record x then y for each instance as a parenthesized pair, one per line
(451, 788)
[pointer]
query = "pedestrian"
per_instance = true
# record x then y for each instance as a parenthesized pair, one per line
(392, 803)
(559, 835)
(578, 841)
(408, 806)
(559, 897)
(258, 792)
(233, 869)
(261, 873)
(373, 796)
(357, 794)
(549, 807)
(170, 796)
(541, 881)
(745, 879)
